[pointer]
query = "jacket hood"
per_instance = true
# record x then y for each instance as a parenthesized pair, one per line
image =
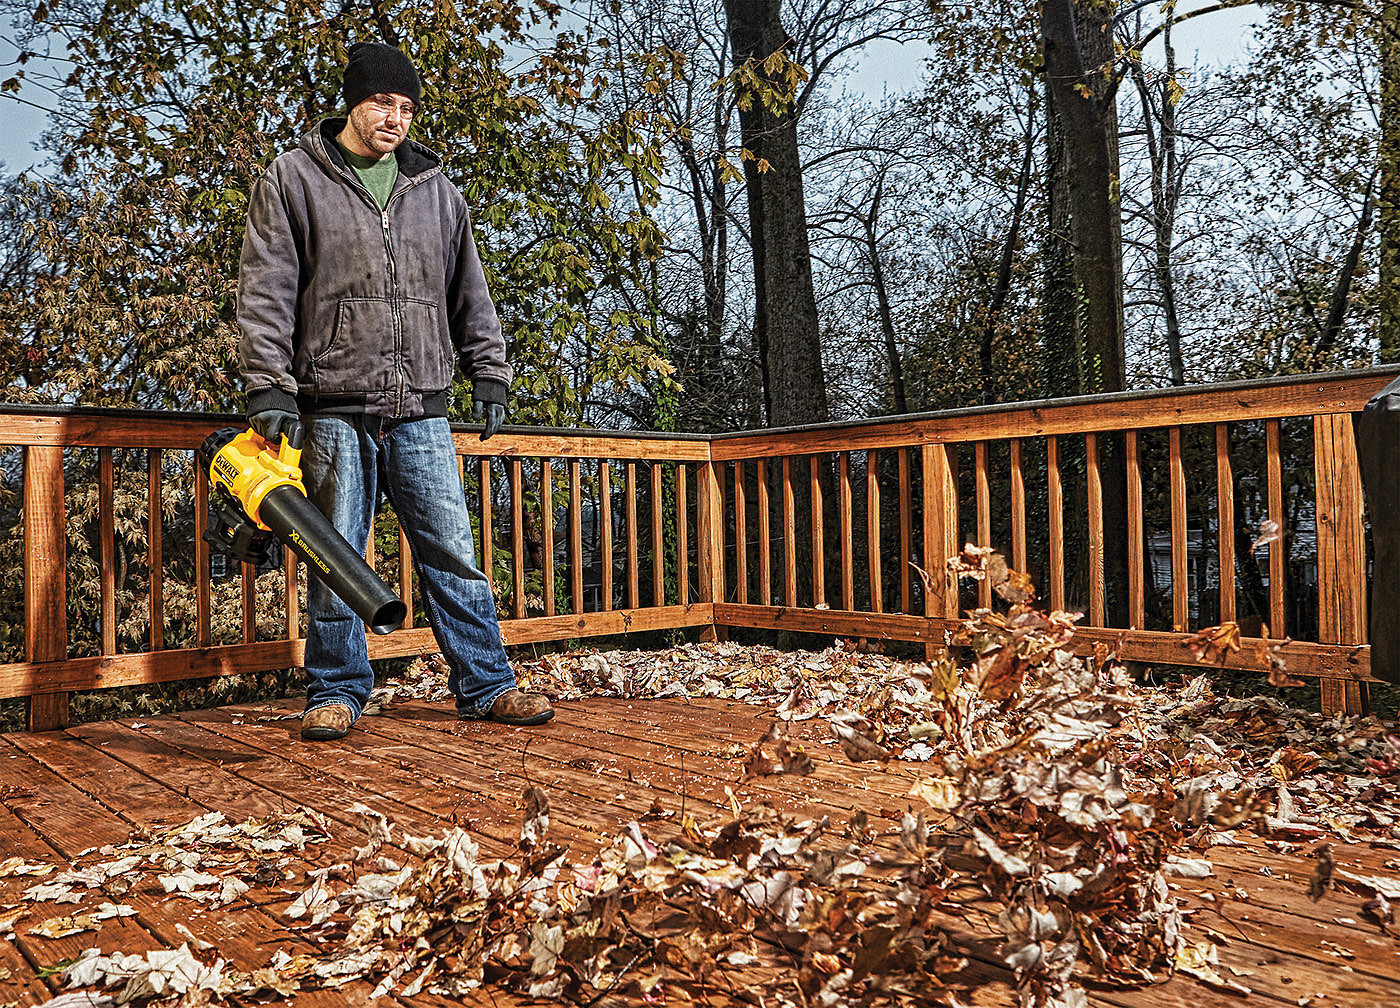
(414, 159)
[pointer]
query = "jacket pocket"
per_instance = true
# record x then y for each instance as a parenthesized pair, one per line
(427, 346)
(360, 353)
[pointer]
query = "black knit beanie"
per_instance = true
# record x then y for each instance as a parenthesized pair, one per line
(376, 68)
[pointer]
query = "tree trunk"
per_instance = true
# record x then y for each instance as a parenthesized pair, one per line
(785, 319)
(882, 300)
(1161, 153)
(1064, 350)
(1001, 288)
(1346, 276)
(1388, 209)
(1078, 66)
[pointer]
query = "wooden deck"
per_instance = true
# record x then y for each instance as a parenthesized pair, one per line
(603, 763)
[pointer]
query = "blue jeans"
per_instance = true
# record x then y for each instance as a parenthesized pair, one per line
(345, 459)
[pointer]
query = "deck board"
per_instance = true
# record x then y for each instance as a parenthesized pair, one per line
(603, 762)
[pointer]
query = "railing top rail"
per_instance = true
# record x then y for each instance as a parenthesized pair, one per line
(1357, 375)
(199, 416)
(95, 426)
(1225, 402)
(1290, 395)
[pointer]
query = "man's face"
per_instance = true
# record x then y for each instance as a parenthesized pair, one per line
(380, 123)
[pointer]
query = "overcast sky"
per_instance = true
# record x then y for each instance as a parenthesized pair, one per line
(1214, 40)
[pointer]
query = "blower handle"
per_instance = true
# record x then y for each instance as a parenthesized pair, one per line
(292, 436)
(289, 446)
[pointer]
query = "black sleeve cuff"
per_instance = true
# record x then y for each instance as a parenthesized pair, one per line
(488, 390)
(271, 397)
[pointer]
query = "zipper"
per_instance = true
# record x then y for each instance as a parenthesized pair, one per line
(395, 308)
(396, 312)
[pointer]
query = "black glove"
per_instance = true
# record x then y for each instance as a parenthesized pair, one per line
(271, 424)
(492, 414)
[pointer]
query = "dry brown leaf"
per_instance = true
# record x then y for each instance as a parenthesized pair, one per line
(939, 792)
(1269, 531)
(1214, 644)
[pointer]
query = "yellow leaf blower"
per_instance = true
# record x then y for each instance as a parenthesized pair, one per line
(258, 495)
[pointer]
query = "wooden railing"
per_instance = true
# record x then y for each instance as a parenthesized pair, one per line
(1143, 510)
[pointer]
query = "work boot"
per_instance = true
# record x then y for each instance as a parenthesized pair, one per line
(324, 723)
(516, 708)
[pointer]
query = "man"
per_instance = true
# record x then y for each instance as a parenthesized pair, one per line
(359, 278)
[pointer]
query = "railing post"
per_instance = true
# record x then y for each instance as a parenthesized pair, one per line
(709, 538)
(45, 578)
(940, 494)
(1341, 555)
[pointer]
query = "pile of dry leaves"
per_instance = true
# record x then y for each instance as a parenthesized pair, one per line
(1058, 793)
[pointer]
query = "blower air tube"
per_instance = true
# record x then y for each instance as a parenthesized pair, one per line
(296, 522)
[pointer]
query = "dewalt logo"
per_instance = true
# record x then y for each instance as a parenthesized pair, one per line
(226, 468)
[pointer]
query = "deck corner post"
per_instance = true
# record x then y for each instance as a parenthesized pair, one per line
(1341, 555)
(709, 537)
(45, 578)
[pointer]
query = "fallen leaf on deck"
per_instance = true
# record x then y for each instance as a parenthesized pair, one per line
(1189, 867)
(18, 866)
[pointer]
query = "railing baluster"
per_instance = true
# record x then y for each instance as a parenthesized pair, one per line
(634, 586)
(682, 538)
(848, 589)
(405, 579)
(547, 532)
(1278, 628)
(1056, 518)
(658, 544)
(606, 559)
(741, 535)
(154, 547)
(517, 534)
(1225, 520)
(45, 577)
(1137, 600)
(107, 531)
(1341, 555)
(1095, 507)
(984, 516)
(250, 607)
(872, 529)
(1177, 475)
(940, 499)
(906, 536)
(202, 588)
(709, 524)
(575, 536)
(814, 464)
(1019, 560)
(789, 536)
(487, 547)
(290, 597)
(765, 537)
(713, 483)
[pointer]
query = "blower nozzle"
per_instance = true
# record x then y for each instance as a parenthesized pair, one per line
(259, 497)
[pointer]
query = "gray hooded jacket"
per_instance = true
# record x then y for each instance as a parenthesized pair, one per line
(346, 307)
